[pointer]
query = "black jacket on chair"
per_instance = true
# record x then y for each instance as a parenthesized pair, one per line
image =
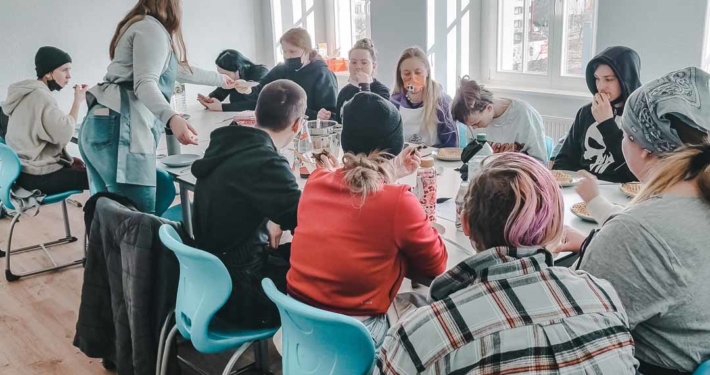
(130, 286)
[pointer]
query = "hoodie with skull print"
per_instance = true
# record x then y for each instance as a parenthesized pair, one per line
(596, 147)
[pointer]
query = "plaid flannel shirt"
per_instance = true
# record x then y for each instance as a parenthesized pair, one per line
(508, 311)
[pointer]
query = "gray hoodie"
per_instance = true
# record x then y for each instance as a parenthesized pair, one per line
(37, 130)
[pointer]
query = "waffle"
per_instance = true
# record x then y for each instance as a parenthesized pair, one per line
(580, 209)
(562, 177)
(631, 189)
(450, 153)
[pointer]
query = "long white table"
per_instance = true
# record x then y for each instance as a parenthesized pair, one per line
(448, 183)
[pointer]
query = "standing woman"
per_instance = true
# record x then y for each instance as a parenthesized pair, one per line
(302, 65)
(424, 106)
(129, 110)
(237, 67)
(363, 63)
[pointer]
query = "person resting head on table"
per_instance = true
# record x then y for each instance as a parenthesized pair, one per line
(239, 68)
(38, 131)
(509, 298)
(510, 125)
(245, 196)
(655, 251)
(360, 233)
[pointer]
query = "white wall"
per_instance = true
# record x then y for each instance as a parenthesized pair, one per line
(84, 29)
(389, 21)
(667, 34)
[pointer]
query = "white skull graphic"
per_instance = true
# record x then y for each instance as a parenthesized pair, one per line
(595, 150)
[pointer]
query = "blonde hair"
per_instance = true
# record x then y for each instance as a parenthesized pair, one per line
(167, 12)
(431, 93)
(300, 38)
(367, 174)
(365, 44)
(687, 163)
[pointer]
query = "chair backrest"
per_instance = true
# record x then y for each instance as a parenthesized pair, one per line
(164, 191)
(704, 368)
(204, 287)
(317, 342)
(9, 171)
(549, 145)
(463, 134)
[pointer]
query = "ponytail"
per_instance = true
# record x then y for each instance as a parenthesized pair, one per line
(687, 163)
(367, 174)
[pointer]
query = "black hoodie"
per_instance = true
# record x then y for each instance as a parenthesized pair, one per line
(316, 79)
(594, 147)
(243, 182)
(238, 101)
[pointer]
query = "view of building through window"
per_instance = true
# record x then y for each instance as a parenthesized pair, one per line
(353, 23)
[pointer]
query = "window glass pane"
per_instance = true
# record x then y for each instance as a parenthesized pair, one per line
(360, 19)
(537, 30)
(578, 36)
(510, 35)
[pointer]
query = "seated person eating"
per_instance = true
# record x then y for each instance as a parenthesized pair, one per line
(360, 233)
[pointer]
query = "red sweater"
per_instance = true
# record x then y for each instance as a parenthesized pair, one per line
(350, 259)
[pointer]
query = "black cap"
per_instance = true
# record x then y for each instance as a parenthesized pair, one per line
(371, 123)
(49, 58)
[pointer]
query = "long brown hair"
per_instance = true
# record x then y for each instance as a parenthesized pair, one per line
(300, 38)
(690, 162)
(431, 93)
(167, 12)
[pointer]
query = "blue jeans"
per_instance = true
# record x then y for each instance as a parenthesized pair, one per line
(98, 144)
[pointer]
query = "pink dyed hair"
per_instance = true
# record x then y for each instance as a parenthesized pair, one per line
(515, 201)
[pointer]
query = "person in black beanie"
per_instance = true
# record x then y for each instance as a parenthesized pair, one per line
(235, 65)
(371, 123)
(359, 231)
(38, 131)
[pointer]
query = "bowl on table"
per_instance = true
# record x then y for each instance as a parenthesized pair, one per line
(565, 178)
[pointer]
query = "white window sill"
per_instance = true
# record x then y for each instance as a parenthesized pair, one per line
(567, 94)
(344, 74)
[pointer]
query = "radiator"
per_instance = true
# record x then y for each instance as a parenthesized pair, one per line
(556, 127)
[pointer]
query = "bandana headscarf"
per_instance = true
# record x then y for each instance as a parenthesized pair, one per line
(684, 94)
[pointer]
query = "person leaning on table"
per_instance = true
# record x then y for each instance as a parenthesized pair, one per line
(655, 252)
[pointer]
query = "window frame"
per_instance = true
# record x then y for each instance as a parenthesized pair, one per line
(554, 78)
(337, 26)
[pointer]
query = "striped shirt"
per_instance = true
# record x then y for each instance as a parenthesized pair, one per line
(508, 311)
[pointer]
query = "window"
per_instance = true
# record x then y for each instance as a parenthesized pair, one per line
(352, 23)
(541, 43)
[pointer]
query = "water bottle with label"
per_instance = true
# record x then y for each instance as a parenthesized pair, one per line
(425, 188)
(476, 162)
(179, 99)
(463, 189)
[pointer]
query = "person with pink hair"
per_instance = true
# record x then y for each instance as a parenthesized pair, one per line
(507, 309)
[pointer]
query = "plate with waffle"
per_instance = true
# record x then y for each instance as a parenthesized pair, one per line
(565, 178)
(448, 154)
(580, 210)
(631, 188)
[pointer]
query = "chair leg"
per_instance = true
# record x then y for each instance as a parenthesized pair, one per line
(161, 343)
(166, 351)
(235, 357)
(43, 246)
(261, 356)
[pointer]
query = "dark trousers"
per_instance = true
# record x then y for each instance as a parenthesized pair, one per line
(57, 182)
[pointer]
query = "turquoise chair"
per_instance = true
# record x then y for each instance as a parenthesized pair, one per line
(317, 342)
(463, 134)
(704, 369)
(550, 146)
(204, 287)
(9, 172)
(165, 194)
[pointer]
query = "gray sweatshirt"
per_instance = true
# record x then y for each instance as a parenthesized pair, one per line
(141, 56)
(656, 256)
(37, 130)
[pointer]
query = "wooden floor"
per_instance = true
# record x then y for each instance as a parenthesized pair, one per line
(38, 314)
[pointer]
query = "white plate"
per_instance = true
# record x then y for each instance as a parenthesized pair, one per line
(436, 154)
(439, 228)
(585, 218)
(575, 179)
(180, 160)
